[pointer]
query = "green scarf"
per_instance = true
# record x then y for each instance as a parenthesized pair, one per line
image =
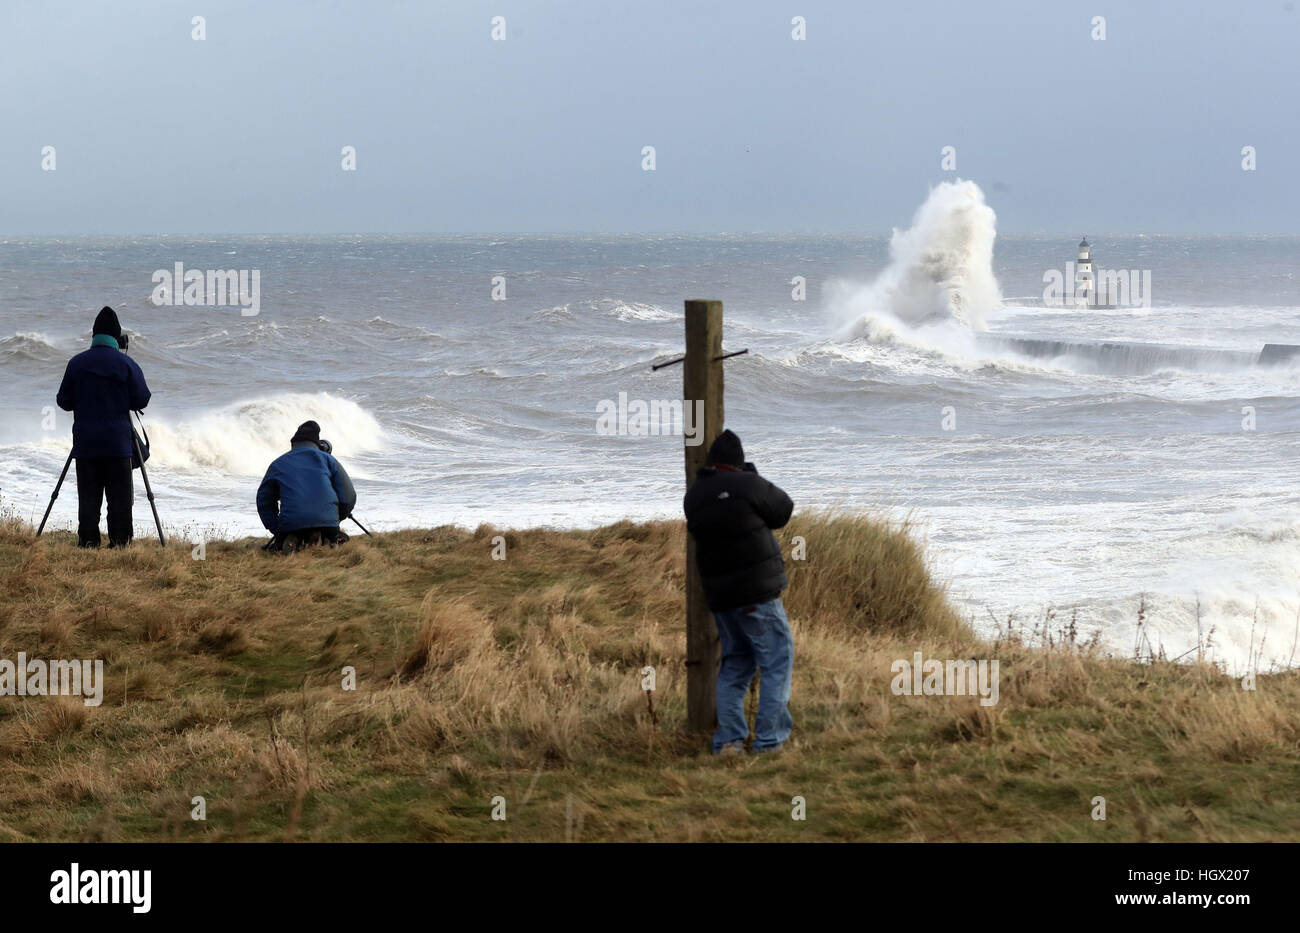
(105, 340)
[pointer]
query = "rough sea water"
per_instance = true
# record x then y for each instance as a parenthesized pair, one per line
(1083, 460)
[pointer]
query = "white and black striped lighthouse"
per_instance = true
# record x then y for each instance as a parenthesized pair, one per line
(1084, 283)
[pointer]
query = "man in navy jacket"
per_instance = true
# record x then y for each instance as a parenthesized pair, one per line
(101, 387)
(305, 493)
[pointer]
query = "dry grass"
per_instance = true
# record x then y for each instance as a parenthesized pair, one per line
(478, 678)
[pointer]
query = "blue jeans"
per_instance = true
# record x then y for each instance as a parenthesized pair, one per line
(754, 637)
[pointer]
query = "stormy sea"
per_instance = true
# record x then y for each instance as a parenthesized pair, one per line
(1088, 462)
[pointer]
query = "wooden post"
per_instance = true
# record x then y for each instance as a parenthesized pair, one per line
(701, 380)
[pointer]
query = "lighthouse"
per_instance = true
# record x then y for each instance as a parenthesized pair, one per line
(1084, 293)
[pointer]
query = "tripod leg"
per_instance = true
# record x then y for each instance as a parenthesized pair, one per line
(57, 487)
(148, 491)
(361, 526)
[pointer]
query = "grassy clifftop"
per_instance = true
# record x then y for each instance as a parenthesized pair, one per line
(521, 678)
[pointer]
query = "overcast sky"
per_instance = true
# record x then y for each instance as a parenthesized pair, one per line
(155, 132)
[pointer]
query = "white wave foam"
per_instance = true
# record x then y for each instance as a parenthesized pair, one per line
(636, 311)
(31, 344)
(940, 269)
(245, 437)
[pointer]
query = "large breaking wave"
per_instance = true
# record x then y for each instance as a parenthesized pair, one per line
(245, 437)
(940, 269)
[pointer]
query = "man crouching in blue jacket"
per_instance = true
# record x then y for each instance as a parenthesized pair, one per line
(305, 494)
(101, 387)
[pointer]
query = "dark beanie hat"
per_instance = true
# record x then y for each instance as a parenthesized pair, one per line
(726, 449)
(307, 431)
(106, 323)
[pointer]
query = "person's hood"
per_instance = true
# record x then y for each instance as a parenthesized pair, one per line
(106, 323)
(726, 448)
(307, 431)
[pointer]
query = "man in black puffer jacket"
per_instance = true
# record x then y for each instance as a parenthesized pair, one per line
(730, 512)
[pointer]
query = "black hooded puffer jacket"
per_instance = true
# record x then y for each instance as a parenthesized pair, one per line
(731, 513)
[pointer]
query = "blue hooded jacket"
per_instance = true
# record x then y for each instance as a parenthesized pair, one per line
(305, 488)
(101, 387)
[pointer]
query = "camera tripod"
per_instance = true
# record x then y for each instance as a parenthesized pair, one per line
(135, 439)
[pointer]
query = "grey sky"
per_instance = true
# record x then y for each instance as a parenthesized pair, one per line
(241, 133)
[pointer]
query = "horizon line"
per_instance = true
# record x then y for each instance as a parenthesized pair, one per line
(597, 233)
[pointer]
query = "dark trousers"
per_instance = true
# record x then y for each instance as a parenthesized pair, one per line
(98, 478)
(292, 541)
